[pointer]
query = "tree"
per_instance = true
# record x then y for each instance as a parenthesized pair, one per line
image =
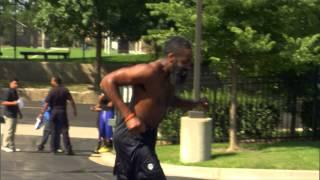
(81, 18)
(95, 18)
(6, 18)
(251, 37)
(134, 21)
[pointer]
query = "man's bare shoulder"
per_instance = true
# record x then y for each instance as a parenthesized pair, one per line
(136, 74)
(147, 68)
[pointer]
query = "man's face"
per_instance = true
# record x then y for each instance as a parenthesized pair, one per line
(14, 84)
(184, 58)
(53, 82)
(181, 65)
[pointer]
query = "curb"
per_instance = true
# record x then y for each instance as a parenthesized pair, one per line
(226, 173)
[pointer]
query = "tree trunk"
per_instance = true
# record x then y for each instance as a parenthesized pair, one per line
(315, 105)
(233, 142)
(294, 115)
(157, 50)
(98, 58)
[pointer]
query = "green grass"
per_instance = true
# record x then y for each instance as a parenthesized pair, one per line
(293, 155)
(76, 55)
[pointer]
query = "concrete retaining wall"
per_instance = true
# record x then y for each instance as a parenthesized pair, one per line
(32, 94)
(43, 71)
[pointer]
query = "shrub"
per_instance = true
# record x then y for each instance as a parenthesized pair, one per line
(256, 119)
(169, 128)
(309, 113)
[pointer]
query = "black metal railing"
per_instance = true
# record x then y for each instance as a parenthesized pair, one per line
(268, 108)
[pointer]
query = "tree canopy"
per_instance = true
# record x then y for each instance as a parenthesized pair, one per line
(265, 32)
(252, 37)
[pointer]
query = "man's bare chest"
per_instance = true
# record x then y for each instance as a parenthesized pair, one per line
(160, 94)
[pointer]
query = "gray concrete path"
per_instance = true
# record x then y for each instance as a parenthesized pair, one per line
(32, 165)
(84, 166)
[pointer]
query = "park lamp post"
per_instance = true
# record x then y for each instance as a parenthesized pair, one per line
(197, 62)
(196, 146)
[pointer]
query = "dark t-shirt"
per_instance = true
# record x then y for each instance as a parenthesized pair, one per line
(104, 103)
(57, 98)
(11, 111)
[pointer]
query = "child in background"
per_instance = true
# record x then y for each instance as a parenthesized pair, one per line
(106, 112)
(46, 130)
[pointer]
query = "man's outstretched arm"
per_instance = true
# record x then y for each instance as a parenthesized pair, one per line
(189, 104)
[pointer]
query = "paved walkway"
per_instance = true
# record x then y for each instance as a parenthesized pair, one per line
(187, 171)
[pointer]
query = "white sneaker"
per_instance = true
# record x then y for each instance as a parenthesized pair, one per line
(60, 151)
(17, 150)
(6, 149)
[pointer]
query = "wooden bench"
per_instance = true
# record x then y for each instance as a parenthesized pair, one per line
(45, 54)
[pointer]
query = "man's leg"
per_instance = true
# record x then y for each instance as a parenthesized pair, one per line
(109, 131)
(66, 141)
(147, 165)
(9, 136)
(122, 169)
(44, 139)
(55, 136)
(65, 133)
(45, 136)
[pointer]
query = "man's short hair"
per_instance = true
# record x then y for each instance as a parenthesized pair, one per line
(176, 43)
(14, 79)
(57, 79)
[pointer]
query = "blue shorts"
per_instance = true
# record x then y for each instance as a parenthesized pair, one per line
(105, 130)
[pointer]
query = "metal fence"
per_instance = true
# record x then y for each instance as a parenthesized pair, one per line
(286, 106)
(279, 107)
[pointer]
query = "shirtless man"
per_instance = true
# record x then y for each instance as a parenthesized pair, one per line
(153, 92)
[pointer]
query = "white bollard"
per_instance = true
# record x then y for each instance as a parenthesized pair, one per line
(195, 138)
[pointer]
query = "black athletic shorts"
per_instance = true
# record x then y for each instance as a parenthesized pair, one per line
(135, 155)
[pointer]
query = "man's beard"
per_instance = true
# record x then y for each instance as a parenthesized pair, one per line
(178, 76)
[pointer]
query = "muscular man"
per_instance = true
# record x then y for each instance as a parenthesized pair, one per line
(57, 100)
(153, 92)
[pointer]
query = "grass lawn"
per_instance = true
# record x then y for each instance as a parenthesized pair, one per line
(303, 155)
(76, 55)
